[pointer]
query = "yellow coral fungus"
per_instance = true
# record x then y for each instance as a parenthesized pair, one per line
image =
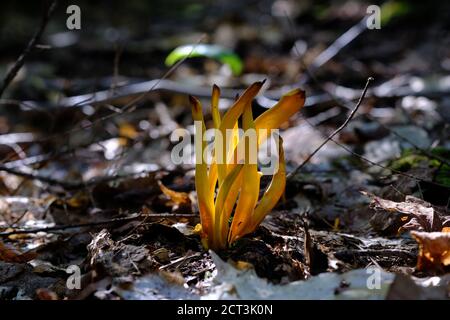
(234, 169)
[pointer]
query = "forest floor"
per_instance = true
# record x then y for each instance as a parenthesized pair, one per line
(367, 217)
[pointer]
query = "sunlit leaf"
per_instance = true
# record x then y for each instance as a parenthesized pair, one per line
(179, 198)
(216, 52)
(434, 250)
(12, 255)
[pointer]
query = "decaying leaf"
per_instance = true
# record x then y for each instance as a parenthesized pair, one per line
(46, 294)
(79, 200)
(118, 259)
(411, 288)
(412, 214)
(178, 198)
(154, 286)
(127, 130)
(232, 283)
(434, 250)
(11, 255)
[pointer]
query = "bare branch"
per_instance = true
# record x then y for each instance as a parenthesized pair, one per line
(330, 137)
(31, 45)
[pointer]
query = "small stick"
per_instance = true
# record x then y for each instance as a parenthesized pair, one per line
(373, 252)
(349, 118)
(406, 139)
(179, 261)
(98, 223)
(387, 168)
(129, 107)
(329, 53)
(31, 45)
(308, 246)
(68, 185)
(70, 226)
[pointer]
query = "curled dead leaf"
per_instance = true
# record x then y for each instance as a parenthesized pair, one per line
(127, 130)
(434, 250)
(46, 294)
(11, 255)
(178, 198)
(79, 200)
(412, 214)
(115, 258)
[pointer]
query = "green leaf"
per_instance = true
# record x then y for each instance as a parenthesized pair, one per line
(216, 52)
(393, 9)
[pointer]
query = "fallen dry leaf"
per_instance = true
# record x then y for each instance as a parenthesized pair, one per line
(434, 250)
(127, 130)
(178, 198)
(116, 258)
(46, 294)
(412, 214)
(11, 255)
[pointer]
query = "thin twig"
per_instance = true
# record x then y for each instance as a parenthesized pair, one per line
(98, 223)
(118, 54)
(69, 185)
(330, 52)
(387, 168)
(406, 139)
(361, 157)
(349, 118)
(307, 246)
(70, 226)
(167, 74)
(21, 60)
(265, 100)
(33, 175)
(126, 109)
(326, 55)
(179, 261)
(346, 104)
(372, 252)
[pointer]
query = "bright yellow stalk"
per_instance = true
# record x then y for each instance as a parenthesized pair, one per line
(213, 176)
(234, 142)
(241, 181)
(216, 120)
(205, 200)
(215, 106)
(272, 194)
(289, 104)
(229, 121)
(221, 220)
(251, 179)
(229, 204)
